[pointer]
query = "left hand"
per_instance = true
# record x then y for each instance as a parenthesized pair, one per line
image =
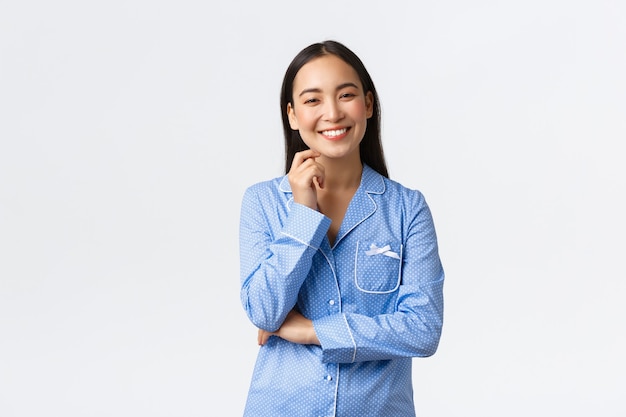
(296, 329)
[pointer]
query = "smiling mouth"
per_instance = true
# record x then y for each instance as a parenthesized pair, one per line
(334, 133)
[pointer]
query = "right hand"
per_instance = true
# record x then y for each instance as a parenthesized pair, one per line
(305, 177)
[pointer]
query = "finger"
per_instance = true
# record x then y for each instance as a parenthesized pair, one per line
(302, 156)
(305, 172)
(318, 181)
(263, 336)
(319, 176)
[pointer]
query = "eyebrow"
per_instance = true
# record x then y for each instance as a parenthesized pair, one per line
(317, 90)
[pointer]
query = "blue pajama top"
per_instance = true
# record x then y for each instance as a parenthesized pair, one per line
(375, 298)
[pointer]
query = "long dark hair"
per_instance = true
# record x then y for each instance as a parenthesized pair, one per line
(371, 149)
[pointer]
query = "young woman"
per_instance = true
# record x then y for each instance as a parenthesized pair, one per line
(340, 269)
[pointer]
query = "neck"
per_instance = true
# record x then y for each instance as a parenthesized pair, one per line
(341, 174)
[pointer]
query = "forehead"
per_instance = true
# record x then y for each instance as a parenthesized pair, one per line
(327, 71)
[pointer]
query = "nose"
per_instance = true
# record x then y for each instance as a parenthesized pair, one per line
(332, 111)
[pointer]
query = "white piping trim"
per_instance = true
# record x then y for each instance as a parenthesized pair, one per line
(356, 281)
(340, 238)
(334, 276)
(298, 240)
(376, 191)
(285, 181)
(351, 337)
(336, 390)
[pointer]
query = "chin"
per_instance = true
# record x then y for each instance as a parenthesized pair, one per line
(336, 154)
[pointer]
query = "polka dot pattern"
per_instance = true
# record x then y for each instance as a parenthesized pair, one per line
(375, 298)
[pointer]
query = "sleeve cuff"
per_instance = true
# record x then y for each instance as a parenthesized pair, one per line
(336, 339)
(306, 225)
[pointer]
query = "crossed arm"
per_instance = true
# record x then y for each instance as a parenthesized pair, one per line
(296, 328)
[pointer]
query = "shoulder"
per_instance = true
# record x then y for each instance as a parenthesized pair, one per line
(267, 195)
(407, 205)
(393, 190)
(266, 204)
(392, 197)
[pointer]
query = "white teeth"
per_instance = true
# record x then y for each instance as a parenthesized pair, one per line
(333, 133)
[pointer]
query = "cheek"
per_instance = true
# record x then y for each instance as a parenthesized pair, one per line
(359, 109)
(306, 118)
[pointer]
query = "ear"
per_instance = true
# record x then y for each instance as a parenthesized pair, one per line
(369, 104)
(291, 114)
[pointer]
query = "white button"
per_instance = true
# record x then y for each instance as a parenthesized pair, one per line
(328, 378)
(331, 302)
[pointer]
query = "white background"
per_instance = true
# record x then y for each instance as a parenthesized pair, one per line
(130, 128)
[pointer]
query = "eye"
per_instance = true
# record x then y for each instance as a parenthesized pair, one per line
(347, 95)
(311, 101)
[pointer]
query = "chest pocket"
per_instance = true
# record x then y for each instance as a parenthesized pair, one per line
(377, 267)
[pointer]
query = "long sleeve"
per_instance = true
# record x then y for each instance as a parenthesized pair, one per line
(413, 327)
(273, 267)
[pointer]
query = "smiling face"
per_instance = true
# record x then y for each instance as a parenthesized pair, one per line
(329, 107)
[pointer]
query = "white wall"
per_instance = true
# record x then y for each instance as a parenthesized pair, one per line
(129, 130)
